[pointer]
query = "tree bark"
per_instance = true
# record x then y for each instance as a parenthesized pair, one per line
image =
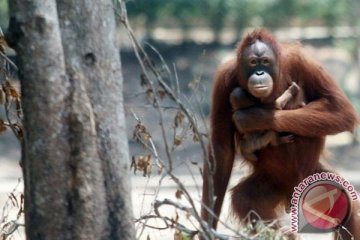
(75, 153)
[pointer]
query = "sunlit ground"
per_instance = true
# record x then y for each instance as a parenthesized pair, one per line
(144, 190)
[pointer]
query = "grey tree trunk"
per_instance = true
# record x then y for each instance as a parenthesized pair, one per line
(75, 153)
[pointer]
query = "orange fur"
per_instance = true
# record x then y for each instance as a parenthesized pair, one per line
(279, 168)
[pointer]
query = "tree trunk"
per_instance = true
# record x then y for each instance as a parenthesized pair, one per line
(75, 153)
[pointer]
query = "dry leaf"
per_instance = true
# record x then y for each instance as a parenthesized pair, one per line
(196, 137)
(144, 80)
(178, 193)
(161, 94)
(3, 44)
(2, 96)
(178, 235)
(141, 163)
(179, 118)
(177, 140)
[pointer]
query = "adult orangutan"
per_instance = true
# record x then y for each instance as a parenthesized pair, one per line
(263, 70)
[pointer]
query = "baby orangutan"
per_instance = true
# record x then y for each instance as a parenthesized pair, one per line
(250, 142)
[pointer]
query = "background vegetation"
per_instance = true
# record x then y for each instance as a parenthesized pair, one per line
(218, 15)
(238, 14)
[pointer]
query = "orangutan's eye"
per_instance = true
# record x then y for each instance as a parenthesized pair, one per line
(265, 62)
(252, 63)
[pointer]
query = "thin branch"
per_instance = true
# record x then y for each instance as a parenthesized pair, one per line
(143, 59)
(9, 61)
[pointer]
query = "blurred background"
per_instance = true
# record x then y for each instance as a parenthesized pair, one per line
(193, 38)
(224, 21)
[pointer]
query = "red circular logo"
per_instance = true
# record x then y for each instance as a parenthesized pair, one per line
(325, 206)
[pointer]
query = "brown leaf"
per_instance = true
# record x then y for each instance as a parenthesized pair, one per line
(10, 90)
(176, 217)
(149, 92)
(2, 96)
(18, 108)
(2, 129)
(18, 129)
(146, 137)
(161, 94)
(140, 133)
(179, 118)
(141, 163)
(178, 193)
(144, 80)
(14, 93)
(177, 140)
(196, 137)
(3, 44)
(178, 235)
